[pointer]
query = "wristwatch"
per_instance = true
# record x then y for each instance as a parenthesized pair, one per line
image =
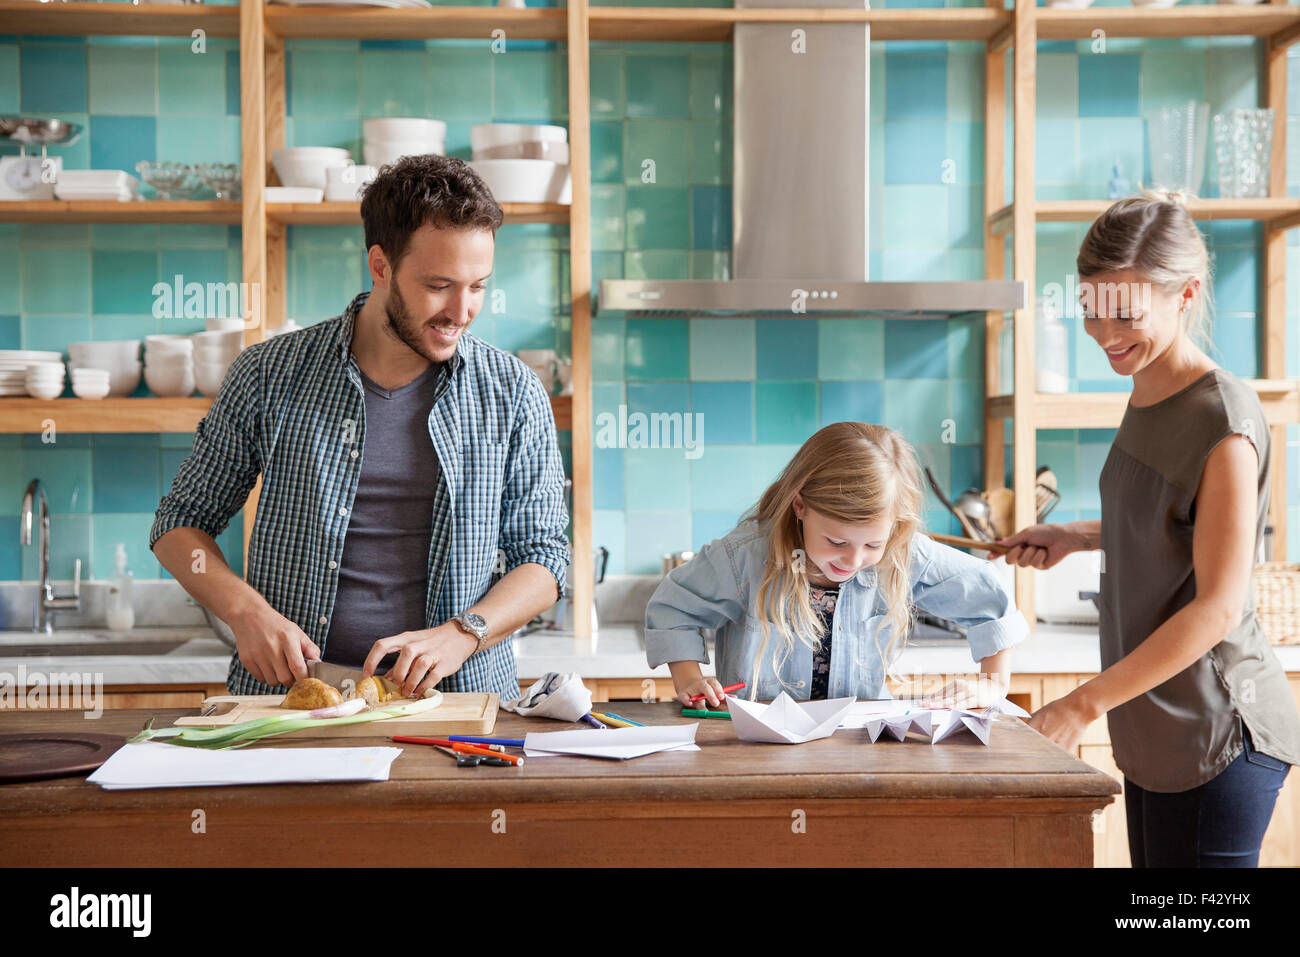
(475, 625)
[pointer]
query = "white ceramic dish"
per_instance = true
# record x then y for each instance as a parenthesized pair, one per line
(214, 339)
(226, 324)
(344, 184)
(385, 153)
(123, 378)
(168, 344)
(525, 181)
(403, 128)
(208, 378)
(488, 135)
(170, 381)
(120, 350)
(89, 390)
(553, 150)
(287, 194)
(305, 166)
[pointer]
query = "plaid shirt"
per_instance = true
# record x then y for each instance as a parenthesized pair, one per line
(292, 409)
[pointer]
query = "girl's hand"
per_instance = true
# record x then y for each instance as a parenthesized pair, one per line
(1063, 722)
(1042, 546)
(711, 688)
(978, 692)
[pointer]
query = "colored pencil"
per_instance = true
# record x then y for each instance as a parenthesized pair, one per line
(619, 717)
(470, 739)
(692, 713)
(612, 722)
(592, 721)
(459, 746)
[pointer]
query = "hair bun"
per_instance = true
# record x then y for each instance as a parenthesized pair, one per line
(1161, 194)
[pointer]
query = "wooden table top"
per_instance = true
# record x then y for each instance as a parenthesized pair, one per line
(1019, 763)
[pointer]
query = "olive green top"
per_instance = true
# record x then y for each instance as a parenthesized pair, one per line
(1183, 732)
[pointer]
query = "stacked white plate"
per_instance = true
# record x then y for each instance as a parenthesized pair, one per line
(112, 185)
(523, 162)
(90, 383)
(45, 380)
(13, 368)
(303, 167)
(213, 353)
(169, 365)
(120, 359)
(389, 138)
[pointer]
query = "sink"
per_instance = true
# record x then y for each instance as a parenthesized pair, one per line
(89, 649)
(92, 644)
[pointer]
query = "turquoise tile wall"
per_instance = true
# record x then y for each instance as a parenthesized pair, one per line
(661, 171)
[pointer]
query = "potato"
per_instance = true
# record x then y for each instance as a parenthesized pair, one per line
(310, 694)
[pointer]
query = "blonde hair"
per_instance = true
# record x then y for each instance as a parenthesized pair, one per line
(1154, 235)
(853, 473)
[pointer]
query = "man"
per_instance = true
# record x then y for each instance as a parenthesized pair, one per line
(398, 454)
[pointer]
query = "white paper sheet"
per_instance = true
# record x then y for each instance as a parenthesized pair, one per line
(786, 721)
(155, 764)
(898, 717)
(616, 743)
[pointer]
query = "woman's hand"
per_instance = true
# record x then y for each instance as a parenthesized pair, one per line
(711, 688)
(1064, 721)
(981, 692)
(1042, 546)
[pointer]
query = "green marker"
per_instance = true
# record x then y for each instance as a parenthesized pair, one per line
(692, 713)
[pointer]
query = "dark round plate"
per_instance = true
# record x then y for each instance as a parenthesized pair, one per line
(53, 754)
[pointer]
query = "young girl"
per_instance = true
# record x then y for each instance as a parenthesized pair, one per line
(813, 592)
(1202, 722)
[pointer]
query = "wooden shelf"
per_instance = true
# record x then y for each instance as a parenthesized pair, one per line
(1104, 410)
(1275, 213)
(1265, 20)
(144, 211)
(641, 24)
(373, 23)
(349, 214)
(145, 414)
(117, 19)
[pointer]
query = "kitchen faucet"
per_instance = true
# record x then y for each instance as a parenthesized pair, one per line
(46, 601)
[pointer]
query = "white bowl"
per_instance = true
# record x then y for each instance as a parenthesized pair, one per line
(170, 381)
(487, 135)
(385, 153)
(229, 324)
(209, 378)
(525, 180)
(90, 375)
(45, 368)
(403, 128)
(111, 352)
(45, 392)
(554, 150)
(228, 339)
(123, 377)
(170, 344)
(89, 390)
(304, 167)
(343, 184)
(292, 194)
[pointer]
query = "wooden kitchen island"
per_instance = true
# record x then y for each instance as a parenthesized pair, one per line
(841, 801)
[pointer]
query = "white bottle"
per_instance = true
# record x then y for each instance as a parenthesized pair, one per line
(118, 609)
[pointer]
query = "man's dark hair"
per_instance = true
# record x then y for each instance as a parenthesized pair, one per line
(418, 190)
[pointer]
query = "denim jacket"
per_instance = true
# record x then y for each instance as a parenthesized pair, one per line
(718, 589)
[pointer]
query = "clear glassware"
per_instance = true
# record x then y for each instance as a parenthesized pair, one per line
(1243, 144)
(1177, 136)
(222, 178)
(171, 180)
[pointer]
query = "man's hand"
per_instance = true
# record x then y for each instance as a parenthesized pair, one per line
(273, 649)
(424, 657)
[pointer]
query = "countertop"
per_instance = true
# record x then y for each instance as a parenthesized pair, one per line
(1019, 800)
(618, 652)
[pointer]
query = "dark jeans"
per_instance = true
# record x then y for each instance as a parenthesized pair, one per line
(1219, 824)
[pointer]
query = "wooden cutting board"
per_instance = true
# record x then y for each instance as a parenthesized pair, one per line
(459, 713)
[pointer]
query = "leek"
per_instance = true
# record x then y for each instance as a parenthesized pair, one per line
(250, 732)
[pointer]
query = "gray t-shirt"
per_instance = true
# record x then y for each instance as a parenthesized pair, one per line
(384, 574)
(1185, 731)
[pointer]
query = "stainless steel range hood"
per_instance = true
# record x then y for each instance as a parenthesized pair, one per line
(801, 216)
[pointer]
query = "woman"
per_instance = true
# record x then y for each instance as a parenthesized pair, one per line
(1201, 719)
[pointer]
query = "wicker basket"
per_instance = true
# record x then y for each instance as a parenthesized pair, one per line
(1277, 601)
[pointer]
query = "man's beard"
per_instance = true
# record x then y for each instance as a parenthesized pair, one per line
(404, 326)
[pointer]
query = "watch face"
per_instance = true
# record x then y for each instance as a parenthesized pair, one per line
(476, 622)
